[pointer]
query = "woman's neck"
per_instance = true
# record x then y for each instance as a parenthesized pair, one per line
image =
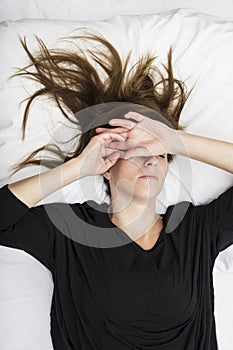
(136, 218)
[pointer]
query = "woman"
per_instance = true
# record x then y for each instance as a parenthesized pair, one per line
(120, 280)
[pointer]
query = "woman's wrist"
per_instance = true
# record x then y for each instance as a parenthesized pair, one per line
(176, 143)
(217, 153)
(72, 170)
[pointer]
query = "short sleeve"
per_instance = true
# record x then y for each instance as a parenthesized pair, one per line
(28, 229)
(218, 219)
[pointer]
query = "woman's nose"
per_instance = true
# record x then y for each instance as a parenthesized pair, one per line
(151, 161)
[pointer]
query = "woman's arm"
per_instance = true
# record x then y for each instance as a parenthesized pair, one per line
(151, 137)
(33, 189)
(95, 159)
(211, 151)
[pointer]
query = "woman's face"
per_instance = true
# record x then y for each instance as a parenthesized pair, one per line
(138, 177)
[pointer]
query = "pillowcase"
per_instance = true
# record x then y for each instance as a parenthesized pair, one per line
(202, 56)
(102, 9)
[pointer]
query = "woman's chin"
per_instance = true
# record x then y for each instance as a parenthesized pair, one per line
(146, 193)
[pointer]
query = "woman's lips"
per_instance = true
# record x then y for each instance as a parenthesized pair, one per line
(153, 177)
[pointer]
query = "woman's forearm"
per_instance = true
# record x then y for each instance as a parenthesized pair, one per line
(33, 189)
(211, 151)
(94, 159)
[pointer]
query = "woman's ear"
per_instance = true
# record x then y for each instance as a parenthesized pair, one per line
(107, 175)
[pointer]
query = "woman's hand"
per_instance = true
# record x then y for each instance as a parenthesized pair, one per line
(97, 158)
(145, 136)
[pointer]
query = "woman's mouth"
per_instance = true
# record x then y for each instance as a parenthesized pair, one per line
(152, 177)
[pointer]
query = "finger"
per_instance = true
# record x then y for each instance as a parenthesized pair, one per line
(137, 152)
(110, 136)
(112, 158)
(126, 144)
(109, 151)
(117, 130)
(128, 124)
(117, 145)
(122, 131)
(136, 116)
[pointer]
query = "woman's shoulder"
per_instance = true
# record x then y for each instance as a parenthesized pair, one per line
(176, 213)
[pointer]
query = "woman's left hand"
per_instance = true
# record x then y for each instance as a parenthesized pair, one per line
(145, 137)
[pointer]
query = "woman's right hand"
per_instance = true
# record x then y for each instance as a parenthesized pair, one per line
(97, 158)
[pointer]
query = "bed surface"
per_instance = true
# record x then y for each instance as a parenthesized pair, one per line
(202, 36)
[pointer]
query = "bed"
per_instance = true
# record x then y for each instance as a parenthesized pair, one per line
(201, 34)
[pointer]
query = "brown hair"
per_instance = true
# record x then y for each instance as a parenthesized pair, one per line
(76, 82)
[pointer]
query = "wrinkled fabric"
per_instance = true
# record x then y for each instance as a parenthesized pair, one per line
(109, 293)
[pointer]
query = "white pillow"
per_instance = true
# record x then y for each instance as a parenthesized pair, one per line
(200, 43)
(102, 9)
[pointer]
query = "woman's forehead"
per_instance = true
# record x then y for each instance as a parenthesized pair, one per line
(99, 115)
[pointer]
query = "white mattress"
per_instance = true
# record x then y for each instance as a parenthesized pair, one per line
(203, 51)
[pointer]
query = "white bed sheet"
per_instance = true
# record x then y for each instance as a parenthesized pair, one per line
(27, 286)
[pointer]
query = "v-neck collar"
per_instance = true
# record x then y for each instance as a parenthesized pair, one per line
(98, 219)
(106, 222)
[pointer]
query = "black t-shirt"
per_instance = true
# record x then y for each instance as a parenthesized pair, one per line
(109, 293)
